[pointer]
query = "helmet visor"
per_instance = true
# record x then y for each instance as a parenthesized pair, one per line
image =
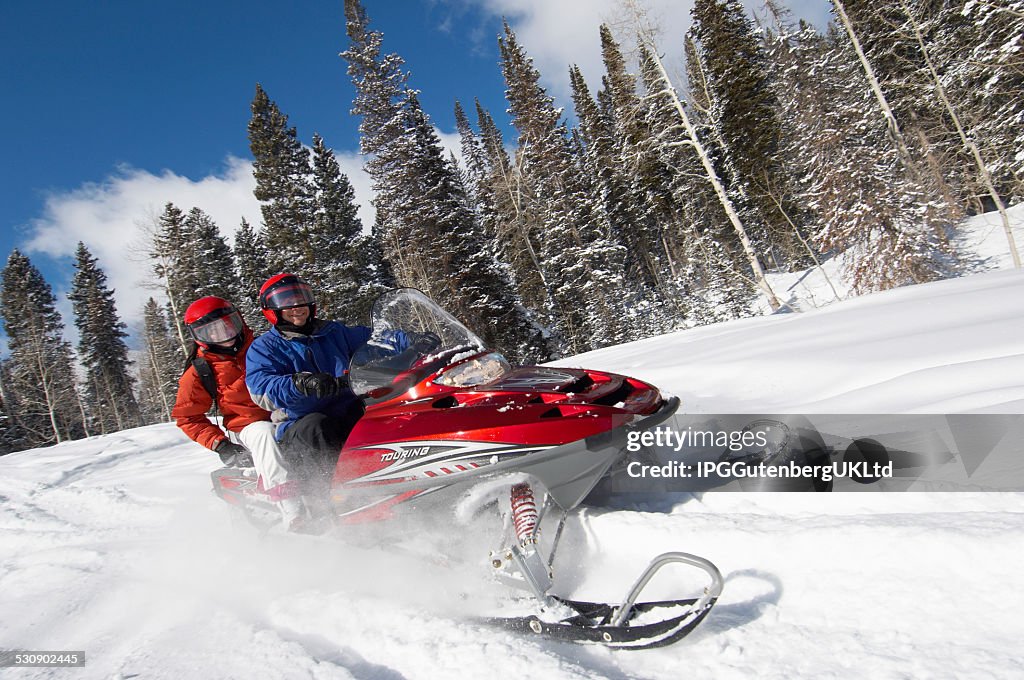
(291, 294)
(221, 329)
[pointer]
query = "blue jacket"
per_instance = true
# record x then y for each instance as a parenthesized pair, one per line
(275, 356)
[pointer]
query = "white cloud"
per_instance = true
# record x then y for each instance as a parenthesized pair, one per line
(451, 143)
(113, 218)
(559, 34)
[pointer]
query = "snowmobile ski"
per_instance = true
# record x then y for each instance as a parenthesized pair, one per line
(631, 625)
(591, 624)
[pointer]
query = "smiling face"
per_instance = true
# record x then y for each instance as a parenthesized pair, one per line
(296, 316)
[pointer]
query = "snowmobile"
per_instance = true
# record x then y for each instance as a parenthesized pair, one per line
(446, 417)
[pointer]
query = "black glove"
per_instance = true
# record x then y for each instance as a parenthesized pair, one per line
(233, 455)
(425, 343)
(319, 385)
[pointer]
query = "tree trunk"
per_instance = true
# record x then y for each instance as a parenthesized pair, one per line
(876, 88)
(709, 169)
(986, 176)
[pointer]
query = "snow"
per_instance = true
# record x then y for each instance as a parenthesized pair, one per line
(114, 545)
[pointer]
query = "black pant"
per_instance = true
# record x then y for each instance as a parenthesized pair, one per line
(313, 442)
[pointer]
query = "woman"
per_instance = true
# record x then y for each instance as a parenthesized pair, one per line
(216, 376)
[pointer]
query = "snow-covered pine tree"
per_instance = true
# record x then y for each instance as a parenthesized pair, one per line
(583, 264)
(375, 275)
(715, 274)
(380, 84)
(212, 264)
(896, 72)
(336, 228)
(613, 166)
(607, 184)
(12, 435)
(110, 401)
(170, 252)
(959, 114)
(159, 366)
(458, 266)
(654, 210)
(506, 221)
(281, 166)
(39, 387)
(190, 260)
(985, 74)
(742, 109)
(432, 238)
(599, 162)
(866, 204)
(252, 270)
(475, 173)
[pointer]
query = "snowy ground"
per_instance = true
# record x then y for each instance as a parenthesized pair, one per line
(115, 546)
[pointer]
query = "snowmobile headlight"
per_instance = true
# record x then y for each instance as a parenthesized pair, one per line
(762, 441)
(478, 371)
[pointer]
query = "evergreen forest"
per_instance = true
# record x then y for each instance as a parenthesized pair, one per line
(652, 206)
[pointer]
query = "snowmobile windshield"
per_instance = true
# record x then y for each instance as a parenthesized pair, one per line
(411, 338)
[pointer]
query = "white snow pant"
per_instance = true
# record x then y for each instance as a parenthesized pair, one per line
(258, 437)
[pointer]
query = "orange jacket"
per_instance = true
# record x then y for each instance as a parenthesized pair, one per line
(233, 400)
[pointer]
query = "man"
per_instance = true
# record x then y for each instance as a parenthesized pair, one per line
(298, 371)
(222, 338)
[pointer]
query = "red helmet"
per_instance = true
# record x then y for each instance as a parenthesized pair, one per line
(213, 320)
(283, 291)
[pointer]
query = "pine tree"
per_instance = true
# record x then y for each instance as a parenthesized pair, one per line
(583, 265)
(865, 202)
(606, 154)
(102, 350)
(252, 270)
(336, 230)
(12, 435)
(507, 222)
(655, 211)
(983, 176)
(742, 110)
(281, 166)
(172, 253)
(375, 274)
(212, 264)
(724, 278)
(895, 71)
(159, 366)
(431, 236)
(39, 384)
(466, 278)
(191, 260)
(986, 76)
(654, 206)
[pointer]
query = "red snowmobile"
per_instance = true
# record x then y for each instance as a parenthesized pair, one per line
(445, 416)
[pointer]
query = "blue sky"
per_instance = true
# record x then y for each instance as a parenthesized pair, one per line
(113, 108)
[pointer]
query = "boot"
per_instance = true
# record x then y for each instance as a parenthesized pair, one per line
(291, 509)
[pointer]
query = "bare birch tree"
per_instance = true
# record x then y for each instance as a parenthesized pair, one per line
(646, 37)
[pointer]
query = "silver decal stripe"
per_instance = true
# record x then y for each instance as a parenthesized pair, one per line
(450, 453)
